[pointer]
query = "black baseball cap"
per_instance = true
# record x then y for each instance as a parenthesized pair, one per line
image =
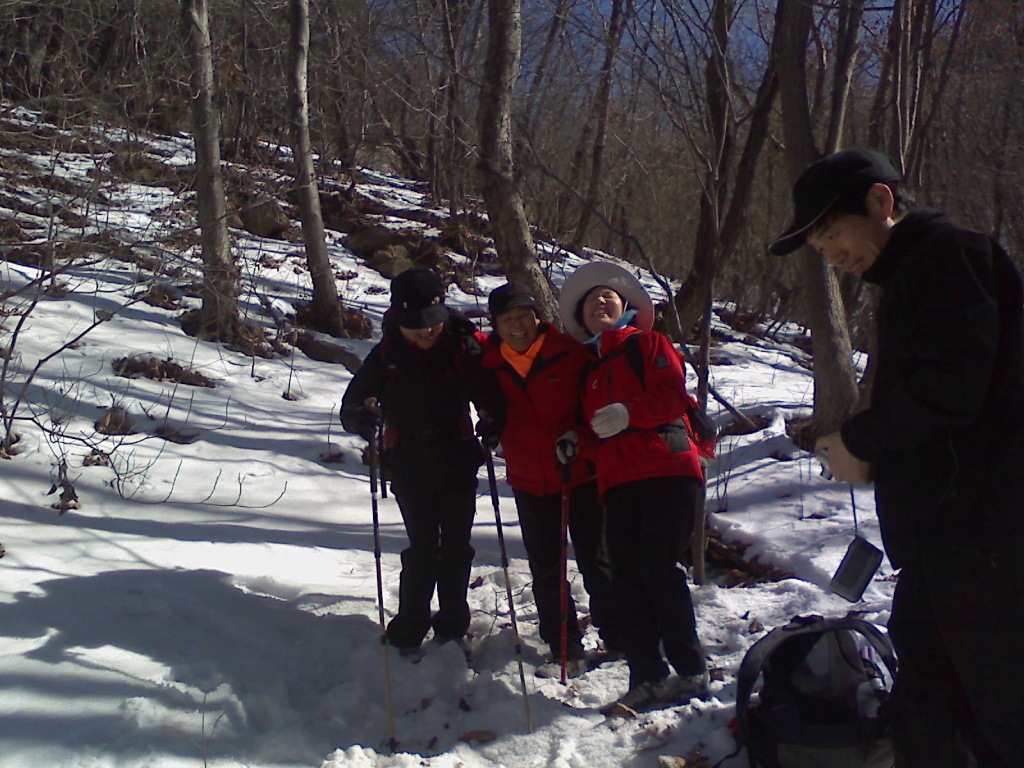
(417, 298)
(821, 186)
(510, 296)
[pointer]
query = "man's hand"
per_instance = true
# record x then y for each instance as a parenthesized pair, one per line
(844, 466)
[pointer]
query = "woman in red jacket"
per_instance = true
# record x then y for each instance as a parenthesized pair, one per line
(539, 369)
(649, 476)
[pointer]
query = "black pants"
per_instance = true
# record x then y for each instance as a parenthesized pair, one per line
(957, 624)
(438, 515)
(540, 520)
(645, 521)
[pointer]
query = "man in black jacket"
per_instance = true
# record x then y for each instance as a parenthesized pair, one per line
(943, 443)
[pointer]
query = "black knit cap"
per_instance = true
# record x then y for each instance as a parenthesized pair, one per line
(417, 299)
(510, 296)
(822, 185)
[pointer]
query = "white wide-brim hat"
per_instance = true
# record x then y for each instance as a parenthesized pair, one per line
(595, 273)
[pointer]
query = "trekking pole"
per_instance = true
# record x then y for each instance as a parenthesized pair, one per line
(374, 468)
(508, 586)
(563, 570)
(379, 438)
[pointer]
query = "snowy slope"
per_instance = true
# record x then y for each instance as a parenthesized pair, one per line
(214, 602)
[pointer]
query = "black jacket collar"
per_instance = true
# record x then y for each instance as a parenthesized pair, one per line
(902, 240)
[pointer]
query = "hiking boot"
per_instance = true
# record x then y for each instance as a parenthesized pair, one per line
(640, 698)
(680, 689)
(441, 639)
(573, 668)
(462, 643)
(413, 653)
(600, 656)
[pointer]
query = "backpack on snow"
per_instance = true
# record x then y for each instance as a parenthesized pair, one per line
(698, 425)
(823, 699)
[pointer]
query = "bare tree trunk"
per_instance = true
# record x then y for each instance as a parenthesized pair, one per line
(619, 238)
(998, 189)
(536, 89)
(454, 15)
(897, 123)
(568, 199)
(699, 539)
(918, 140)
(883, 100)
(850, 14)
(721, 128)
(237, 111)
(218, 318)
(602, 103)
(710, 247)
(326, 305)
(835, 387)
(509, 225)
(689, 300)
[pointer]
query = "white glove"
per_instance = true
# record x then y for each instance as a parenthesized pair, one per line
(610, 420)
(566, 447)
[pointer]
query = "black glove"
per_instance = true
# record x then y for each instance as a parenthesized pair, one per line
(489, 433)
(367, 420)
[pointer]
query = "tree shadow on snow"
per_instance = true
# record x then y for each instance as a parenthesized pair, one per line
(186, 663)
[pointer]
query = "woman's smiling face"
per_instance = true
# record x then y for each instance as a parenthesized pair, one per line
(518, 328)
(602, 308)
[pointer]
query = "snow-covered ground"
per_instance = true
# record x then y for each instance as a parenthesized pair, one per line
(213, 602)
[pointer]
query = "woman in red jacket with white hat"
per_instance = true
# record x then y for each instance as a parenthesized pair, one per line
(649, 475)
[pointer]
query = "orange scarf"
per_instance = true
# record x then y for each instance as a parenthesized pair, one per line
(522, 361)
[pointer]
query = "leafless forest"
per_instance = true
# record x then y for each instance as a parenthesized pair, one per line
(664, 131)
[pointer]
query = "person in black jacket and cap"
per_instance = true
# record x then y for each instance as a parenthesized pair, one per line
(943, 442)
(418, 382)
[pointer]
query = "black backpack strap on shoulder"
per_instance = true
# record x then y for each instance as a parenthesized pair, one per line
(631, 349)
(698, 421)
(635, 356)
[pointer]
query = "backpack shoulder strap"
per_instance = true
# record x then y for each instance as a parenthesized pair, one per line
(631, 349)
(699, 428)
(878, 639)
(635, 356)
